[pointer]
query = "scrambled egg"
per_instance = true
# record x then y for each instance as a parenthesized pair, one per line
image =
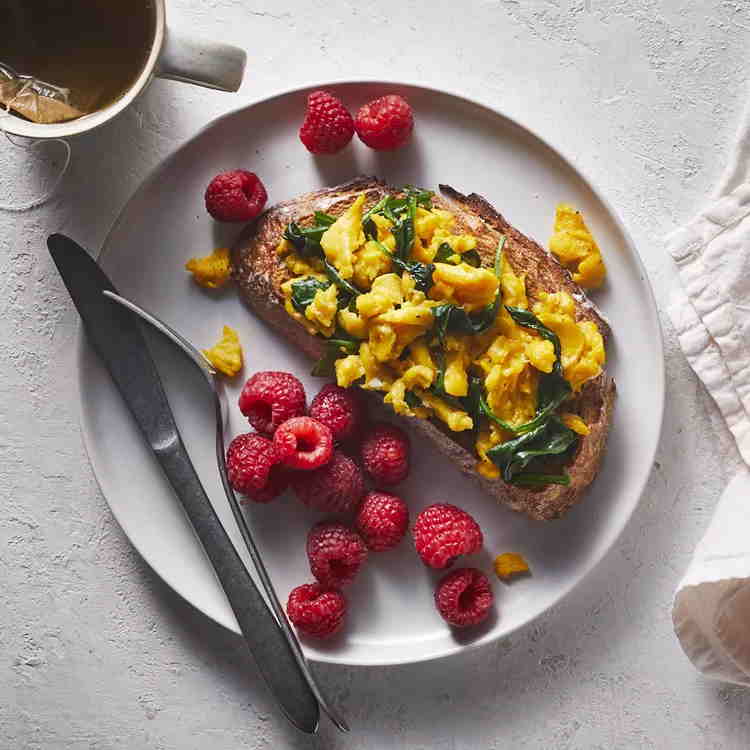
(322, 310)
(575, 423)
(581, 343)
(574, 246)
(510, 564)
(213, 271)
(226, 355)
(399, 352)
(343, 237)
(470, 287)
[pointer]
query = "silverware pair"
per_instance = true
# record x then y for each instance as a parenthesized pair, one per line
(115, 335)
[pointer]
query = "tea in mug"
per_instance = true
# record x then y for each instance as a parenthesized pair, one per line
(94, 49)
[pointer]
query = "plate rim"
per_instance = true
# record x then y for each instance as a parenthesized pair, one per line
(331, 657)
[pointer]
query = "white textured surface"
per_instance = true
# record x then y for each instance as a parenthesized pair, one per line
(97, 653)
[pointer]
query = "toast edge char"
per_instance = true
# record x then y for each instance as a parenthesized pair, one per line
(259, 274)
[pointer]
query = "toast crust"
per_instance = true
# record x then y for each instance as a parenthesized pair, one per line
(259, 275)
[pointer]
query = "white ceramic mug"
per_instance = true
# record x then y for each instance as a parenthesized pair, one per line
(172, 55)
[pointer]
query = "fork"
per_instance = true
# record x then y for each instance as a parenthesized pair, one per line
(220, 407)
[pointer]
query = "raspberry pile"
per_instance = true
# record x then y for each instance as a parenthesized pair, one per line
(253, 468)
(336, 553)
(382, 520)
(328, 126)
(315, 610)
(303, 443)
(341, 409)
(383, 124)
(325, 456)
(442, 532)
(270, 398)
(235, 196)
(385, 454)
(336, 487)
(464, 597)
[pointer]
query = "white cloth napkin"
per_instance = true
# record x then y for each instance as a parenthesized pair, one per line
(711, 312)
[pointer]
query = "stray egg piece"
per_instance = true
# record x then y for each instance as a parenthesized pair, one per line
(226, 355)
(510, 564)
(213, 271)
(574, 246)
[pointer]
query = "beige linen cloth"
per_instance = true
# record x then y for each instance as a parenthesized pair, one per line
(711, 312)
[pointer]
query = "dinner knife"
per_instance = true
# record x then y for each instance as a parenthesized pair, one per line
(117, 338)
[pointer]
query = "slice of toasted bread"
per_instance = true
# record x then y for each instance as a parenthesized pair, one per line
(259, 273)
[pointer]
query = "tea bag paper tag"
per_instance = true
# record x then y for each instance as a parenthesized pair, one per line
(22, 97)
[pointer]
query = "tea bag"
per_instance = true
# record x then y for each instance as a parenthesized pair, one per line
(34, 99)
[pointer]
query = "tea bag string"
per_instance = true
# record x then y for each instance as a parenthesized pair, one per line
(52, 189)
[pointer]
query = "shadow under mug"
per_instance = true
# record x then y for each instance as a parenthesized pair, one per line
(172, 55)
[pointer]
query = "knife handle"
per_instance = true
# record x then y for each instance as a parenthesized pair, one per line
(268, 644)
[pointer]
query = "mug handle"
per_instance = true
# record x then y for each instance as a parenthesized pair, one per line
(214, 65)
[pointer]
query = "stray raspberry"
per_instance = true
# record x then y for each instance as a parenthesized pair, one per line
(336, 487)
(235, 196)
(341, 409)
(464, 597)
(303, 443)
(315, 610)
(328, 126)
(253, 470)
(385, 123)
(442, 532)
(270, 398)
(382, 520)
(335, 552)
(385, 454)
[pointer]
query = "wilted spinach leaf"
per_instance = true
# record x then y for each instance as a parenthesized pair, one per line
(412, 400)
(304, 291)
(553, 388)
(472, 258)
(306, 240)
(527, 319)
(403, 229)
(335, 349)
(324, 219)
(552, 438)
(530, 479)
(438, 386)
(339, 281)
(446, 254)
(420, 272)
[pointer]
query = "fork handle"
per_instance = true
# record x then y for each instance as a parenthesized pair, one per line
(268, 644)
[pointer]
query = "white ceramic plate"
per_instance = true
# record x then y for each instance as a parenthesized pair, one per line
(458, 142)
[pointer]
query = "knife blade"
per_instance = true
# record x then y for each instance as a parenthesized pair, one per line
(118, 340)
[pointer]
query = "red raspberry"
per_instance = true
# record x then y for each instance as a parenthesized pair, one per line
(328, 126)
(339, 408)
(442, 532)
(385, 453)
(335, 552)
(315, 610)
(252, 468)
(385, 123)
(464, 597)
(270, 398)
(336, 487)
(382, 520)
(303, 443)
(235, 196)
